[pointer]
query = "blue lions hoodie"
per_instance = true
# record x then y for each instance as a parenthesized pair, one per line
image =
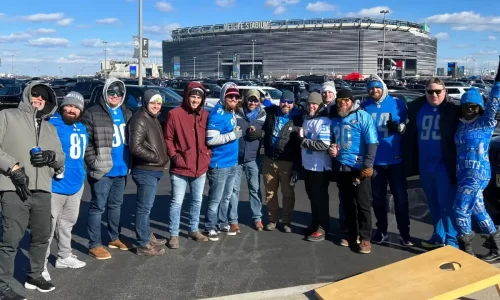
(74, 140)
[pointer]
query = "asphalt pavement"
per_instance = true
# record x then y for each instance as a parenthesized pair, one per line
(248, 262)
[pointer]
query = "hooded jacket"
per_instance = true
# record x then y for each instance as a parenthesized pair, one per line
(185, 135)
(316, 141)
(249, 149)
(19, 132)
(220, 136)
(100, 129)
(74, 141)
(388, 107)
(356, 135)
(146, 141)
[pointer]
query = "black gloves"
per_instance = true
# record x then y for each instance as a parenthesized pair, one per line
(392, 126)
(253, 135)
(21, 182)
(43, 158)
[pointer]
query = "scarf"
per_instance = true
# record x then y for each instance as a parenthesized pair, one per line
(251, 115)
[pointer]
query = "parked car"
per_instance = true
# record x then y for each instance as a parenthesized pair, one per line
(85, 88)
(10, 96)
(405, 95)
(133, 98)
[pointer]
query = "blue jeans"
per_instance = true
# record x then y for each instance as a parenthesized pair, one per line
(221, 182)
(394, 175)
(105, 192)
(147, 185)
(179, 185)
(253, 181)
(440, 194)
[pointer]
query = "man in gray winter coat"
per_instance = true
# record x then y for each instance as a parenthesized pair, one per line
(26, 182)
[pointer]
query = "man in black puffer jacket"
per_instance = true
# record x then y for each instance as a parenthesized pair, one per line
(149, 157)
(107, 159)
(282, 160)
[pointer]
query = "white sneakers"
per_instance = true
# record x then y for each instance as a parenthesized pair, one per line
(70, 262)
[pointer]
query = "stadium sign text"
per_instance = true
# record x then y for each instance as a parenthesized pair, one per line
(247, 26)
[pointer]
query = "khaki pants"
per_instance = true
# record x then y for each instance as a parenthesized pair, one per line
(276, 173)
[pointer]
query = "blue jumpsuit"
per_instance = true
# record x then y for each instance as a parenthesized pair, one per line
(473, 167)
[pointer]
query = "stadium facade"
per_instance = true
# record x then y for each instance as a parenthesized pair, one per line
(301, 47)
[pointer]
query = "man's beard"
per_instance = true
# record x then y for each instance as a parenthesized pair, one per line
(70, 119)
(343, 111)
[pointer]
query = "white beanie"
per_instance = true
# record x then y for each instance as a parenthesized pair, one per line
(329, 86)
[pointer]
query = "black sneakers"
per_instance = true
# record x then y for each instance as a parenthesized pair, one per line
(7, 293)
(39, 284)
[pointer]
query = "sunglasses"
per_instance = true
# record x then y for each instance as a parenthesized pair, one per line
(253, 100)
(472, 107)
(233, 97)
(286, 101)
(114, 93)
(343, 99)
(438, 92)
(36, 95)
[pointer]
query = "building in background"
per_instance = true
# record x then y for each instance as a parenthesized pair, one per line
(129, 69)
(440, 72)
(301, 47)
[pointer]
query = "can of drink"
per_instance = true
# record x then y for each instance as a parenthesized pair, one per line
(35, 150)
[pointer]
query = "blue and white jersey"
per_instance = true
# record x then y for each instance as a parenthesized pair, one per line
(473, 138)
(220, 138)
(352, 134)
(317, 129)
(74, 141)
(389, 147)
(119, 152)
(429, 140)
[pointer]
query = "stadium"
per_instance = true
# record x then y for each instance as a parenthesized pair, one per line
(291, 48)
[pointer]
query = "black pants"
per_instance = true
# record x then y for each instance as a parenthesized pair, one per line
(16, 216)
(356, 204)
(317, 190)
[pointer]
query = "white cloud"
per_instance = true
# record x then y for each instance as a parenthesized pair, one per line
(442, 36)
(273, 3)
(2, 15)
(49, 42)
(15, 37)
(463, 45)
(107, 21)
(279, 10)
(225, 3)
(65, 22)
(291, 1)
(320, 6)
(155, 44)
(98, 43)
(45, 31)
(164, 29)
(488, 52)
(466, 21)
(370, 12)
(43, 17)
(164, 6)
(492, 38)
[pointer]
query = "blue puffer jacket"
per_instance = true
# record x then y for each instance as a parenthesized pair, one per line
(249, 149)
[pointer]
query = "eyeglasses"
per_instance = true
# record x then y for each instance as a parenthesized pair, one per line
(343, 99)
(283, 101)
(253, 100)
(114, 93)
(36, 95)
(438, 92)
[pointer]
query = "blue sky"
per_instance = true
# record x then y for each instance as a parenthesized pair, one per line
(65, 37)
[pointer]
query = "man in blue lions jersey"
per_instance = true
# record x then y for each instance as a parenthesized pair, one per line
(355, 149)
(430, 151)
(67, 186)
(389, 115)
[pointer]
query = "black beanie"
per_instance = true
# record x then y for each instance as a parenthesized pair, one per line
(344, 94)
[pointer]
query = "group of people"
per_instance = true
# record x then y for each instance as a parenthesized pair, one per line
(47, 152)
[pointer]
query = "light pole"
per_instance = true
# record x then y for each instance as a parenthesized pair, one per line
(218, 64)
(12, 64)
(105, 58)
(385, 11)
(139, 59)
(194, 67)
(253, 58)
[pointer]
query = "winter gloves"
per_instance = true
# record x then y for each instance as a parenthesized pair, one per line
(21, 182)
(392, 126)
(253, 134)
(366, 173)
(43, 158)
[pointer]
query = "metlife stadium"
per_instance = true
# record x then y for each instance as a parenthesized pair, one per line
(301, 47)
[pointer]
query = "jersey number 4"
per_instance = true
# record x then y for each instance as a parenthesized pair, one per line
(430, 128)
(78, 144)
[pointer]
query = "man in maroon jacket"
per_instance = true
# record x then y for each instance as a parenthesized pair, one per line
(185, 135)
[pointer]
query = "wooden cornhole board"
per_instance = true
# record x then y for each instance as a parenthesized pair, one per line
(419, 277)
